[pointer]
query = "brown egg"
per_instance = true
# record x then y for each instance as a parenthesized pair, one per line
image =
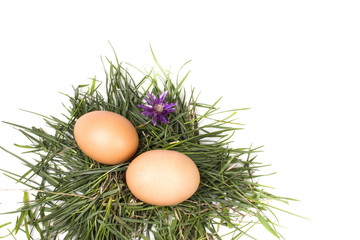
(162, 177)
(106, 137)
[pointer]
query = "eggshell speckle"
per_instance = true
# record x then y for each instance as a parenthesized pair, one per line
(106, 137)
(162, 177)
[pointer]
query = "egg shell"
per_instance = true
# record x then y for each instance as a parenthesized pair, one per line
(106, 137)
(162, 177)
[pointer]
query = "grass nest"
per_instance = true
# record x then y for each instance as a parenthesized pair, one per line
(73, 197)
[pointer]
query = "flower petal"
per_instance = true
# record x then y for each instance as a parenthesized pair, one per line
(163, 95)
(169, 105)
(154, 120)
(142, 106)
(148, 101)
(170, 110)
(163, 119)
(151, 97)
(147, 113)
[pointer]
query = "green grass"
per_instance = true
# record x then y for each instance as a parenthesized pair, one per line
(78, 197)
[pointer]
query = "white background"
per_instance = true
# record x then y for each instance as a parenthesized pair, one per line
(294, 63)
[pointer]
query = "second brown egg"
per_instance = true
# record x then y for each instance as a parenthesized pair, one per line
(162, 177)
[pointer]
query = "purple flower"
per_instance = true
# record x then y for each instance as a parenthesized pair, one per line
(158, 109)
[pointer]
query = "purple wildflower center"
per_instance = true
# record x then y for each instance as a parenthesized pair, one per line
(157, 109)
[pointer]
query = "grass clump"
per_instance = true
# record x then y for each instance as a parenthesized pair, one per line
(78, 198)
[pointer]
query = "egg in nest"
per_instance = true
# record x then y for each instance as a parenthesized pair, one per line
(162, 177)
(106, 137)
